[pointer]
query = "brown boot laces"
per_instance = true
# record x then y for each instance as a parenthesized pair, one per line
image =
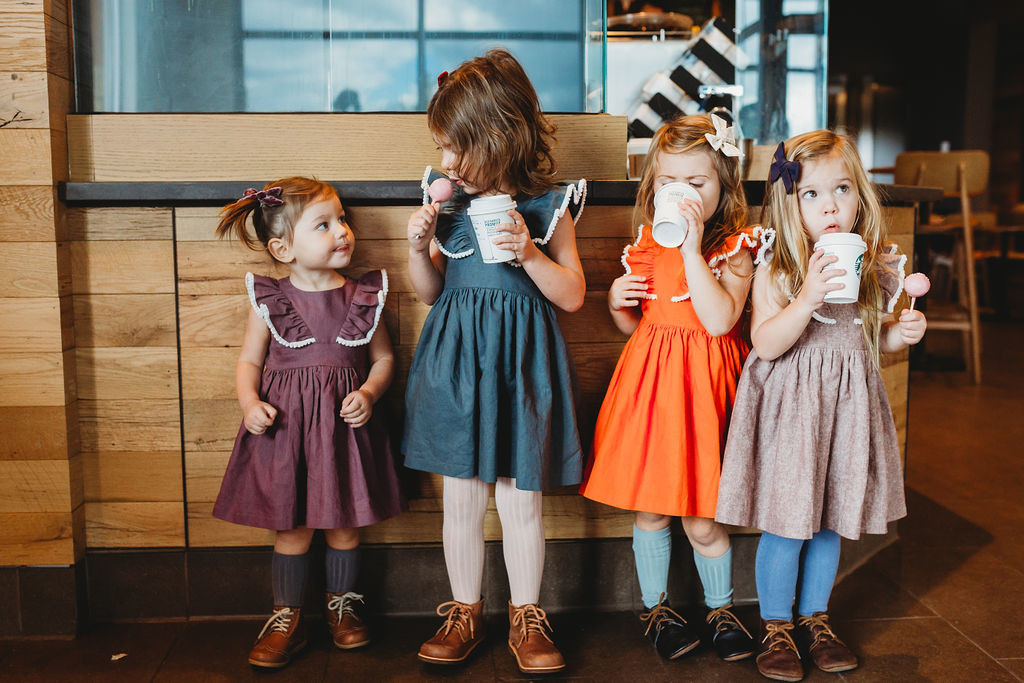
(342, 604)
(660, 613)
(457, 616)
(532, 619)
(280, 621)
(821, 630)
(778, 637)
(723, 617)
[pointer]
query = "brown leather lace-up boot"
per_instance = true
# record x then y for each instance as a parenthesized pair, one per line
(347, 629)
(778, 658)
(827, 652)
(280, 639)
(462, 630)
(529, 641)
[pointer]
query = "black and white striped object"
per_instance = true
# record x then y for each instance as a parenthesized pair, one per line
(711, 59)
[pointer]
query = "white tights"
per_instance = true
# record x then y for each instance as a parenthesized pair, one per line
(522, 527)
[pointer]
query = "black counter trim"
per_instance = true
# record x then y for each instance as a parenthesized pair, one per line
(383, 193)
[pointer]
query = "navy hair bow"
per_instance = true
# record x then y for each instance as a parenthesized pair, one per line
(789, 171)
(268, 197)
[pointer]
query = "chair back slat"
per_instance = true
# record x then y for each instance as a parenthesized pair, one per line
(939, 169)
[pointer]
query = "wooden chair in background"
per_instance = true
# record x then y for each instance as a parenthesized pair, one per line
(960, 174)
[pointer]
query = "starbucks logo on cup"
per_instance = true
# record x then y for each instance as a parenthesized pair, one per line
(857, 263)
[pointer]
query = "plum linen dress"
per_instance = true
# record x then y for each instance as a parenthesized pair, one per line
(311, 468)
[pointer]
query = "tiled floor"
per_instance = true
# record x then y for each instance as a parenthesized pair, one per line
(942, 604)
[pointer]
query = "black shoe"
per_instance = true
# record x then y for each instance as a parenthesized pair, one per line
(732, 641)
(671, 635)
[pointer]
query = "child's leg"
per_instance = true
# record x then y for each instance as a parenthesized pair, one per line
(290, 566)
(342, 560)
(776, 570)
(712, 553)
(652, 550)
(342, 568)
(522, 531)
(818, 572)
(465, 502)
(817, 575)
(713, 556)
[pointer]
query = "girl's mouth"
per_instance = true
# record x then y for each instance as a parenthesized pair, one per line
(831, 228)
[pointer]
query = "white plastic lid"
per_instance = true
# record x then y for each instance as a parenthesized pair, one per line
(834, 239)
(490, 204)
(678, 189)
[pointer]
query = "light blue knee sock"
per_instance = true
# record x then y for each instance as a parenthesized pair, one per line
(652, 551)
(776, 569)
(716, 577)
(818, 572)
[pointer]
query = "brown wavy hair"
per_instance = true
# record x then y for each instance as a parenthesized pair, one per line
(269, 222)
(686, 134)
(793, 247)
(489, 113)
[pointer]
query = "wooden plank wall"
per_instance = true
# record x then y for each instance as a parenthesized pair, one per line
(41, 508)
(154, 283)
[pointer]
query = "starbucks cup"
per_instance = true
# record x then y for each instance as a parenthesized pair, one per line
(669, 227)
(849, 248)
(487, 213)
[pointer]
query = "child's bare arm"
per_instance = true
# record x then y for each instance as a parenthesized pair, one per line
(257, 414)
(357, 407)
(719, 303)
(560, 276)
(426, 262)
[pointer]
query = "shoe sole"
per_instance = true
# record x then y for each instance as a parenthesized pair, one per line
(535, 669)
(686, 650)
(738, 658)
(352, 646)
(275, 665)
(438, 660)
(839, 669)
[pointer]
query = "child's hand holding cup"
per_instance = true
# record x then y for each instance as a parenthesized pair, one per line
(669, 227)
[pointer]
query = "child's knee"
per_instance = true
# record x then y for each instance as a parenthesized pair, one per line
(342, 539)
(703, 531)
(649, 521)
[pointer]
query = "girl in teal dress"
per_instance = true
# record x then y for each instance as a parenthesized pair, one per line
(491, 391)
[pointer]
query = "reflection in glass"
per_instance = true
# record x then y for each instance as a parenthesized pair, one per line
(324, 55)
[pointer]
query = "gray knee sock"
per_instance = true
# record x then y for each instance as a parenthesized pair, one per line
(342, 569)
(288, 574)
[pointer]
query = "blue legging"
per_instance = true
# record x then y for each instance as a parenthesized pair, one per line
(781, 561)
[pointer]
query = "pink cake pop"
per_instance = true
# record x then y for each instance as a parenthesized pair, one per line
(441, 190)
(916, 284)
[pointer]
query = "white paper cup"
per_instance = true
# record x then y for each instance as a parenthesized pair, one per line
(487, 213)
(849, 248)
(669, 227)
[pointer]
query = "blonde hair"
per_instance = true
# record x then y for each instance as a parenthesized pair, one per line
(679, 136)
(793, 247)
(268, 221)
(489, 113)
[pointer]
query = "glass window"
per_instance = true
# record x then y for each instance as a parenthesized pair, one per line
(324, 55)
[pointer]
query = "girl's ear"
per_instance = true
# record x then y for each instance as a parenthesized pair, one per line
(280, 250)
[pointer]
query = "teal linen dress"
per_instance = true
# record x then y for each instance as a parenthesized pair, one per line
(492, 390)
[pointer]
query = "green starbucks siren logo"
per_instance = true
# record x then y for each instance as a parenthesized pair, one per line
(856, 265)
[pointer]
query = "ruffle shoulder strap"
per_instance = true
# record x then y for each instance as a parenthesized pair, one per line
(892, 266)
(365, 310)
(638, 259)
(453, 241)
(277, 311)
(758, 239)
(543, 212)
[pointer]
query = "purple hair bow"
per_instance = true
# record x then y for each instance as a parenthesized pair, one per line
(268, 197)
(789, 171)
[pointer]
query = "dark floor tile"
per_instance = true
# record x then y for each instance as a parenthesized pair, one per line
(10, 605)
(960, 587)
(596, 646)
(88, 657)
(134, 585)
(392, 656)
(48, 598)
(1014, 666)
(917, 649)
(219, 650)
(869, 594)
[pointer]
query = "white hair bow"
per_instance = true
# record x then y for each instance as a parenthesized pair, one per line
(724, 139)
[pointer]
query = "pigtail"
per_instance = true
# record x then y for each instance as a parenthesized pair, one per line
(233, 222)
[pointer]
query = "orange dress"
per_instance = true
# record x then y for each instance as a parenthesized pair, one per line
(661, 431)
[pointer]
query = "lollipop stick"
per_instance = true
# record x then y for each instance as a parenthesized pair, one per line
(913, 300)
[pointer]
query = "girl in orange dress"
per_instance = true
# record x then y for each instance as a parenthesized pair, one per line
(661, 430)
